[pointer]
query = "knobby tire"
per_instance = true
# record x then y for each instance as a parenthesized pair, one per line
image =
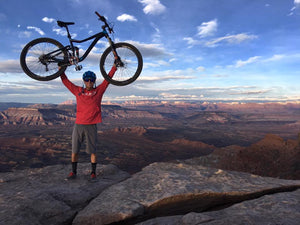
(34, 67)
(129, 72)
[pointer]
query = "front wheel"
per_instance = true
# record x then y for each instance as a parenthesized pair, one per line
(39, 59)
(129, 66)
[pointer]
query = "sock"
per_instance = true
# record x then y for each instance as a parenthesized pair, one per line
(74, 167)
(94, 165)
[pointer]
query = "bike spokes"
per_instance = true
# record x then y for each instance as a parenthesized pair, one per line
(39, 60)
(40, 57)
(129, 64)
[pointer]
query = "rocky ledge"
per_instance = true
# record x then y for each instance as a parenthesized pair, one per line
(44, 196)
(162, 193)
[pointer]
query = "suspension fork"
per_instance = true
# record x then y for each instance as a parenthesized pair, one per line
(118, 62)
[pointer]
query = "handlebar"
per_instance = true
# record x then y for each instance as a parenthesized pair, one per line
(102, 18)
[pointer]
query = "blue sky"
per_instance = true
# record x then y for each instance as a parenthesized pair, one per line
(207, 50)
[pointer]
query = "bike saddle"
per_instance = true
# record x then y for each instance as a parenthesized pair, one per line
(64, 24)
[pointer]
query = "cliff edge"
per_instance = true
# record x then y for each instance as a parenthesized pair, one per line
(162, 193)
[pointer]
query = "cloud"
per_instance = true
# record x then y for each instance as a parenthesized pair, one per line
(24, 34)
(150, 50)
(171, 96)
(48, 20)
(295, 7)
(126, 17)
(153, 7)
(10, 65)
(156, 36)
(200, 69)
(248, 92)
(191, 41)
(63, 32)
(231, 39)
(207, 28)
(36, 29)
(29, 90)
(297, 3)
(241, 63)
(162, 77)
(275, 58)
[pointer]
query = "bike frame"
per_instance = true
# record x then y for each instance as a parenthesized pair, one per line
(96, 38)
(71, 47)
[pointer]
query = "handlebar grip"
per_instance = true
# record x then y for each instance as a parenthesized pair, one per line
(102, 18)
(98, 14)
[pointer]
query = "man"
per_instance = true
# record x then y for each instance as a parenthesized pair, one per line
(88, 99)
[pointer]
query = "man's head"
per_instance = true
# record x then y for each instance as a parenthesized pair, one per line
(89, 79)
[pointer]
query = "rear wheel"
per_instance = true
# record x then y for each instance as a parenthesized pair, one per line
(39, 59)
(129, 67)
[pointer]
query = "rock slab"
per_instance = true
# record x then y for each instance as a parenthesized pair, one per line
(164, 189)
(280, 208)
(44, 196)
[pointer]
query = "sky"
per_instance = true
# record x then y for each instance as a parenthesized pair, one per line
(193, 50)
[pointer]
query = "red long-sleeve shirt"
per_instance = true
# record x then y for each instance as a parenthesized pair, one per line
(88, 102)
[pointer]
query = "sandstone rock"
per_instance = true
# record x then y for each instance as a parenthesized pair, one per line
(36, 116)
(280, 208)
(44, 196)
(272, 156)
(162, 189)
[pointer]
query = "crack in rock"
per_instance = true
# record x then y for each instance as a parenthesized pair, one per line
(164, 189)
(184, 204)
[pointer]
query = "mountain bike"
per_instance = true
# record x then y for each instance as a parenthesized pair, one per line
(45, 59)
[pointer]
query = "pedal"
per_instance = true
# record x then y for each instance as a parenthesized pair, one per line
(78, 67)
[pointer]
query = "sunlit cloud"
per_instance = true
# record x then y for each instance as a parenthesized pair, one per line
(126, 17)
(241, 63)
(63, 32)
(156, 36)
(207, 28)
(153, 7)
(38, 30)
(48, 20)
(171, 96)
(275, 58)
(231, 39)
(260, 59)
(191, 41)
(295, 7)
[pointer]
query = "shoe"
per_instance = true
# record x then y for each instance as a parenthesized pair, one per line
(71, 175)
(93, 176)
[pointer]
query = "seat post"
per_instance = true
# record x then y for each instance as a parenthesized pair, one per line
(69, 36)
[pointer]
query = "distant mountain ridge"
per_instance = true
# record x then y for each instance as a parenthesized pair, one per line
(37, 115)
(6, 105)
(50, 114)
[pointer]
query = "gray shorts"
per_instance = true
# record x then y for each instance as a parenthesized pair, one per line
(83, 132)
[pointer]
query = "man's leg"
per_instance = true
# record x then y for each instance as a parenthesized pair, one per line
(91, 141)
(94, 164)
(93, 158)
(77, 139)
(74, 163)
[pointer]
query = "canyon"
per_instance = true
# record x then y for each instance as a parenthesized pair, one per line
(260, 137)
(158, 163)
